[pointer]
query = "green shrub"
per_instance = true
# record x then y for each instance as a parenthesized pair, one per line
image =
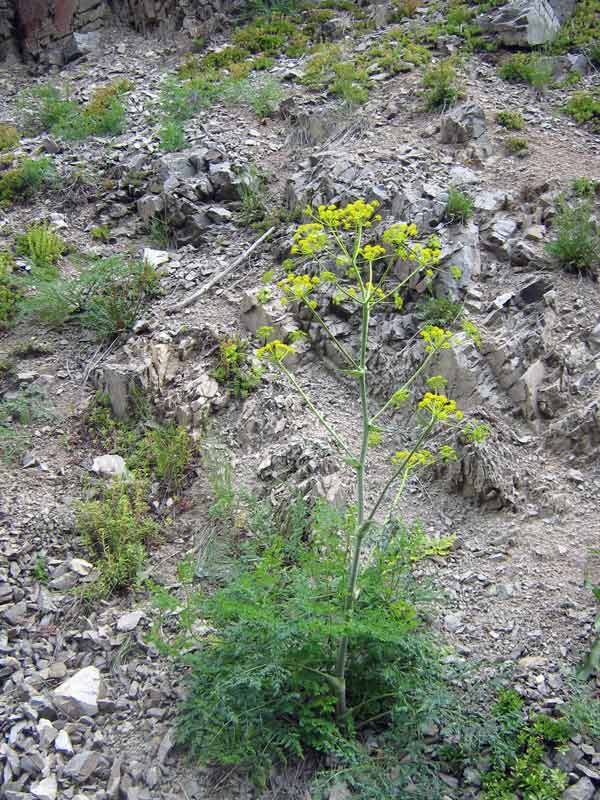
(100, 233)
(165, 451)
(527, 68)
(106, 297)
(459, 206)
(172, 136)
(439, 311)
(45, 108)
(9, 293)
(510, 119)
(9, 136)
(252, 189)
(584, 187)
(116, 529)
(20, 183)
(440, 84)
(516, 145)
(584, 107)
(576, 245)
(16, 414)
(326, 69)
(236, 368)
(42, 247)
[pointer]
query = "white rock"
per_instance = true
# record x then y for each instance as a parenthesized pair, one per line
(110, 466)
(78, 695)
(154, 258)
(80, 566)
(63, 744)
(46, 789)
(47, 733)
(127, 622)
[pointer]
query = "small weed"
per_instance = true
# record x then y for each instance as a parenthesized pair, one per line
(576, 245)
(160, 231)
(100, 233)
(236, 368)
(440, 84)
(459, 206)
(403, 9)
(527, 68)
(343, 79)
(439, 311)
(584, 187)
(252, 187)
(165, 451)
(9, 136)
(16, 413)
(20, 183)
(106, 297)
(171, 135)
(584, 107)
(511, 120)
(9, 291)
(116, 528)
(40, 570)
(42, 247)
(517, 145)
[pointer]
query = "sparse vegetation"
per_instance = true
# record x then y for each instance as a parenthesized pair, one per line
(527, 68)
(100, 233)
(237, 369)
(517, 145)
(327, 69)
(252, 190)
(9, 292)
(47, 108)
(576, 244)
(584, 187)
(441, 86)
(171, 135)
(21, 182)
(584, 107)
(42, 246)
(17, 412)
(9, 136)
(106, 297)
(459, 206)
(512, 120)
(439, 311)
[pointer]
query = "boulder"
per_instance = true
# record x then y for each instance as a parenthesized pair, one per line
(78, 45)
(462, 124)
(110, 466)
(525, 22)
(78, 695)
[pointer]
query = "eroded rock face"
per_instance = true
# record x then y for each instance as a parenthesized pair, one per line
(527, 22)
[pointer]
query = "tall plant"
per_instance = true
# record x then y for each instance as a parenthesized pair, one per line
(364, 272)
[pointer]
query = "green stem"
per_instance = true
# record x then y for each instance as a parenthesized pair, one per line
(333, 338)
(408, 383)
(340, 668)
(315, 410)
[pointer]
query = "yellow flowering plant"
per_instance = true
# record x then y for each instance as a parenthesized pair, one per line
(365, 276)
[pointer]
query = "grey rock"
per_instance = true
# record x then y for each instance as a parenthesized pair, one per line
(149, 206)
(47, 733)
(462, 124)
(522, 23)
(127, 622)
(110, 466)
(582, 790)
(218, 214)
(82, 766)
(78, 695)
(77, 45)
(594, 339)
(62, 743)
(45, 789)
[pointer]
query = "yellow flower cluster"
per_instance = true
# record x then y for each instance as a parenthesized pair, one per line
(436, 338)
(371, 252)
(398, 234)
(410, 461)
(447, 453)
(309, 239)
(274, 351)
(298, 286)
(351, 217)
(440, 407)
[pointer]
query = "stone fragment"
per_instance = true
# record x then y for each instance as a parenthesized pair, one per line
(110, 466)
(62, 743)
(82, 766)
(154, 258)
(127, 622)
(582, 790)
(78, 695)
(462, 124)
(522, 23)
(45, 789)
(77, 45)
(47, 733)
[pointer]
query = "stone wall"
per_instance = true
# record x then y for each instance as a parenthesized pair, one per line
(38, 30)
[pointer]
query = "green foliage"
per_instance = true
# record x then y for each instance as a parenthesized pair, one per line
(9, 292)
(17, 412)
(9, 136)
(459, 206)
(22, 182)
(576, 244)
(439, 311)
(252, 188)
(584, 187)
(116, 528)
(100, 233)
(40, 570)
(106, 297)
(510, 119)
(165, 451)
(441, 86)
(527, 68)
(259, 690)
(581, 30)
(46, 108)
(584, 107)
(171, 135)
(516, 145)
(345, 79)
(236, 368)
(42, 247)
